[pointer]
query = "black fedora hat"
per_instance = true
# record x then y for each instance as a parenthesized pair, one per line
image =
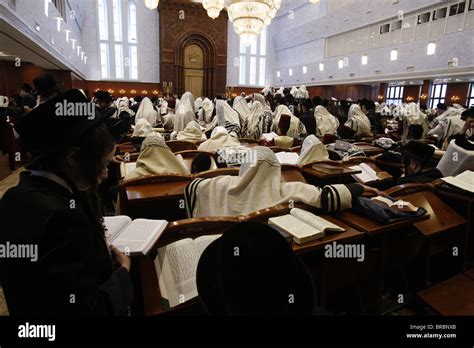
(59, 122)
(418, 151)
(252, 270)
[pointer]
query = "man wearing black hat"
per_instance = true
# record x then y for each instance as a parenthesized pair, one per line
(27, 101)
(417, 158)
(46, 87)
(103, 101)
(54, 213)
(252, 270)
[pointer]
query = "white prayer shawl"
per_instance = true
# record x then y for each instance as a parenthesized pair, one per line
(267, 90)
(123, 105)
(414, 116)
(280, 91)
(143, 129)
(157, 158)
(297, 128)
(258, 186)
(184, 112)
(163, 107)
(198, 103)
(168, 121)
(147, 112)
(456, 160)
(357, 120)
(302, 93)
(228, 118)
(260, 98)
(449, 123)
(219, 138)
(255, 121)
(325, 122)
(240, 105)
(312, 150)
(208, 107)
(192, 132)
(294, 91)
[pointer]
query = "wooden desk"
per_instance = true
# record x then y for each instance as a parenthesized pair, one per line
(291, 173)
(454, 296)
(319, 178)
(463, 203)
(349, 235)
(370, 150)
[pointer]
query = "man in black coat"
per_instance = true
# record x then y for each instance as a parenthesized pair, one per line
(67, 267)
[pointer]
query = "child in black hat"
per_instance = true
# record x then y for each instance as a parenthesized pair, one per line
(55, 211)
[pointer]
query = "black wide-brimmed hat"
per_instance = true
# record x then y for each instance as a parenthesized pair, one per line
(419, 151)
(59, 122)
(103, 96)
(252, 270)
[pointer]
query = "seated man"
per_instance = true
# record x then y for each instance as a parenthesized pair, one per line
(259, 186)
(418, 161)
(459, 155)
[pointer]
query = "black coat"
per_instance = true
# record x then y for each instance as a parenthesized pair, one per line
(309, 121)
(74, 274)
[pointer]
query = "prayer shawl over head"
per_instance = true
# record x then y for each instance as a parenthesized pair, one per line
(448, 124)
(123, 105)
(185, 112)
(198, 103)
(228, 118)
(414, 116)
(280, 91)
(312, 150)
(143, 129)
(325, 122)
(208, 107)
(258, 186)
(358, 121)
(156, 158)
(297, 128)
(267, 90)
(219, 138)
(163, 107)
(192, 132)
(168, 121)
(294, 91)
(302, 93)
(456, 160)
(241, 106)
(147, 111)
(255, 121)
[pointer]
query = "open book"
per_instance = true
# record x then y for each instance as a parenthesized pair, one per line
(400, 204)
(287, 157)
(464, 181)
(176, 266)
(269, 136)
(304, 226)
(133, 237)
(367, 175)
(127, 167)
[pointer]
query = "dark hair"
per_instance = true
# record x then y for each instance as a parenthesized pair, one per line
(138, 98)
(469, 113)
(317, 101)
(325, 103)
(415, 131)
(442, 106)
(308, 104)
(201, 163)
(368, 104)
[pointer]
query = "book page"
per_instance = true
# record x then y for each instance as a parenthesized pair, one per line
(367, 175)
(299, 229)
(287, 157)
(115, 224)
(203, 242)
(269, 136)
(138, 235)
(317, 222)
(178, 263)
(466, 177)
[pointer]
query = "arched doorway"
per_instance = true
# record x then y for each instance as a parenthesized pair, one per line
(194, 69)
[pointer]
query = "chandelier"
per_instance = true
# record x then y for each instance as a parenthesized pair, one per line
(213, 7)
(152, 4)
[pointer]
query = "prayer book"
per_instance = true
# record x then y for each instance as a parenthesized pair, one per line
(400, 204)
(328, 169)
(367, 175)
(464, 181)
(133, 237)
(269, 136)
(176, 266)
(287, 157)
(127, 167)
(304, 226)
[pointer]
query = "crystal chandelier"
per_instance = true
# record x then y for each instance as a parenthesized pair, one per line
(213, 7)
(250, 16)
(152, 4)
